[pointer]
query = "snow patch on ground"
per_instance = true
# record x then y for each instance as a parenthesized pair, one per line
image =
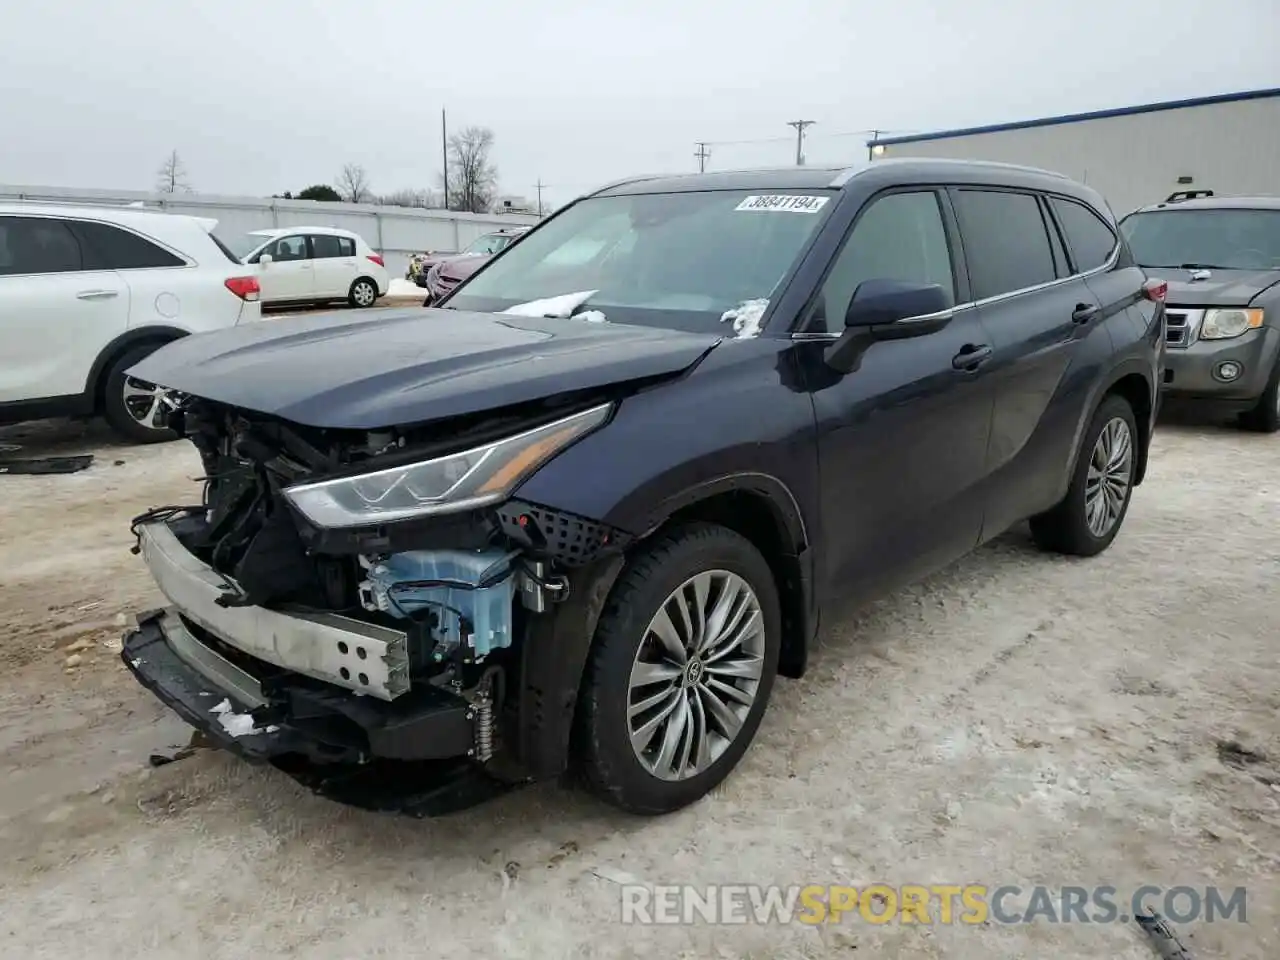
(591, 316)
(561, 306)
(400, 287)
(238, 724)
(746, 318)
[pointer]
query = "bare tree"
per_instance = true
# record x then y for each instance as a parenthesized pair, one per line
(353, 184)
(411, 197)
(473, 179)
(172, 175)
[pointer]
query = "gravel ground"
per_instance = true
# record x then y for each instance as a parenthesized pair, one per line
(1017, 719)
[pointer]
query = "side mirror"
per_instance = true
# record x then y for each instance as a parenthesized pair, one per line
(265, 260)
(887, 310)
(877, 303)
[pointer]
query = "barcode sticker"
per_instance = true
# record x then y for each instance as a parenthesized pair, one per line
(783, 203)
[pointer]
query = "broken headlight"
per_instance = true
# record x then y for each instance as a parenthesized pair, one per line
(459, 481)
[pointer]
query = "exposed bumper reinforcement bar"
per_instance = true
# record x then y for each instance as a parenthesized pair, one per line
(408, 756)
(359, 656)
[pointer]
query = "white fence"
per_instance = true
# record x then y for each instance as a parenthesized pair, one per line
(395, 232)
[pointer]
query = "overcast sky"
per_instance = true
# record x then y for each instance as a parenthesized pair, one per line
(262, 96)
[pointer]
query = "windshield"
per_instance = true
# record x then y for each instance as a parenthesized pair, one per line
(245, 244)
(1225, 239)
(489, 243)
(677, 260)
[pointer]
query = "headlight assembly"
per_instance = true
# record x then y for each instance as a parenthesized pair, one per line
(459, 481)
(1227, 324)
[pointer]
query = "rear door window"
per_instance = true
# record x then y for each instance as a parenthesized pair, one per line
(1006, 243)
(326, 246)
(110, 248)
(1091, 240)
(38, 245)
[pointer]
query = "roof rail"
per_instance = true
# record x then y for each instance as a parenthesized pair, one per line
(1179, 195)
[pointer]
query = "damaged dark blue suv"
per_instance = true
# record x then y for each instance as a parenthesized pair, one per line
(583, 513)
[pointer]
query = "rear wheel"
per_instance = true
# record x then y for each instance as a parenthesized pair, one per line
(134, 408)
(1088, 518)
(363, 293)
(1265, 417)
(683, 662)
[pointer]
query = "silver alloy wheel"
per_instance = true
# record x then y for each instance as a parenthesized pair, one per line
(364, 293)
(695, 675)
(145, 402)
(1106, 486)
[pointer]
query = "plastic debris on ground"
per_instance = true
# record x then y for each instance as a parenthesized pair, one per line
(746, 318)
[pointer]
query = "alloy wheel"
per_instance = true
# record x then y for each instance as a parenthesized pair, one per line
(147, 404)
(1110, 475)
(364, 294)
(695, 675)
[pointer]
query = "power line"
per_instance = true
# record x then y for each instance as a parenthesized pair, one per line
(702, 154)
(800, 125)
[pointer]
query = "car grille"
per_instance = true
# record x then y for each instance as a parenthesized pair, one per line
(1181, 327)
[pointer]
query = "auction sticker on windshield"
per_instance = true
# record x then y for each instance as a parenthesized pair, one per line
(786, 203)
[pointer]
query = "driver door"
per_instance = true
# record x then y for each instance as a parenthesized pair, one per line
(902, 440)
(291, 273)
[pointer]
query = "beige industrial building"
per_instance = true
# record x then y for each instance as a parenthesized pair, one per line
(1229, 144)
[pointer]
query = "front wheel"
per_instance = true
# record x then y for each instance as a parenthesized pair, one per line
(363, 293)
(1265, 417)
(1088, 518)
(680, 672)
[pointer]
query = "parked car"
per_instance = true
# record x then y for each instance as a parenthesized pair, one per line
(588, 509)
(87, 292)
(1222, 258)
(447, 274)
(316, 265)
(480, 251)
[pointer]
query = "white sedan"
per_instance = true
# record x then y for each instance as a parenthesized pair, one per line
(315, 265)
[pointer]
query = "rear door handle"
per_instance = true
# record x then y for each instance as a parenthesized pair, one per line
(971, 357)
(1084, 312)
(97, 294)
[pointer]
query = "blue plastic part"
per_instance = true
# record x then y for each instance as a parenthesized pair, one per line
(447, 582)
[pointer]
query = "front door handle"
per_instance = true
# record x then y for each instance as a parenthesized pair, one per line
(971, 357)
(97, 294)
(1084, 312)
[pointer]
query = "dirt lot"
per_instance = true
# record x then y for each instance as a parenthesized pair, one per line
(1017, 719)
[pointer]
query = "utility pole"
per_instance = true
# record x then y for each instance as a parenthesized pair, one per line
(800, 125)
(703, 154)
(444, 155)
(539, 186)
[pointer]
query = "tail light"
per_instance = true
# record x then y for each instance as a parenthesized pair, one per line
(246, 288)
(1155, 290)
(377, 259)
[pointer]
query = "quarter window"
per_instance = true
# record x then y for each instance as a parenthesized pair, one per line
(110, 248)
(899, 237)
(1090, 238)
(1006, 243)
(37, 245)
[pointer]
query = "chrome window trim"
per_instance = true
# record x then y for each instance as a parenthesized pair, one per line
(1111, 262)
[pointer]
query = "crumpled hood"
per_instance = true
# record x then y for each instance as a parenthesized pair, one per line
(1223, 288)
(397, 367)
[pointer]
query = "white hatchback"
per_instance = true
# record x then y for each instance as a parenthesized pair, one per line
(87, 292)
(315, 265)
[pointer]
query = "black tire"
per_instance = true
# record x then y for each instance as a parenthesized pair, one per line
(1265, 417)
(1065, 527)
(114, 408)
(363, 293)
(608, 762)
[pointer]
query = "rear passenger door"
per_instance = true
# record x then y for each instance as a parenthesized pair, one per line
(335, 264)
(1044, 324)
(57, 311)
